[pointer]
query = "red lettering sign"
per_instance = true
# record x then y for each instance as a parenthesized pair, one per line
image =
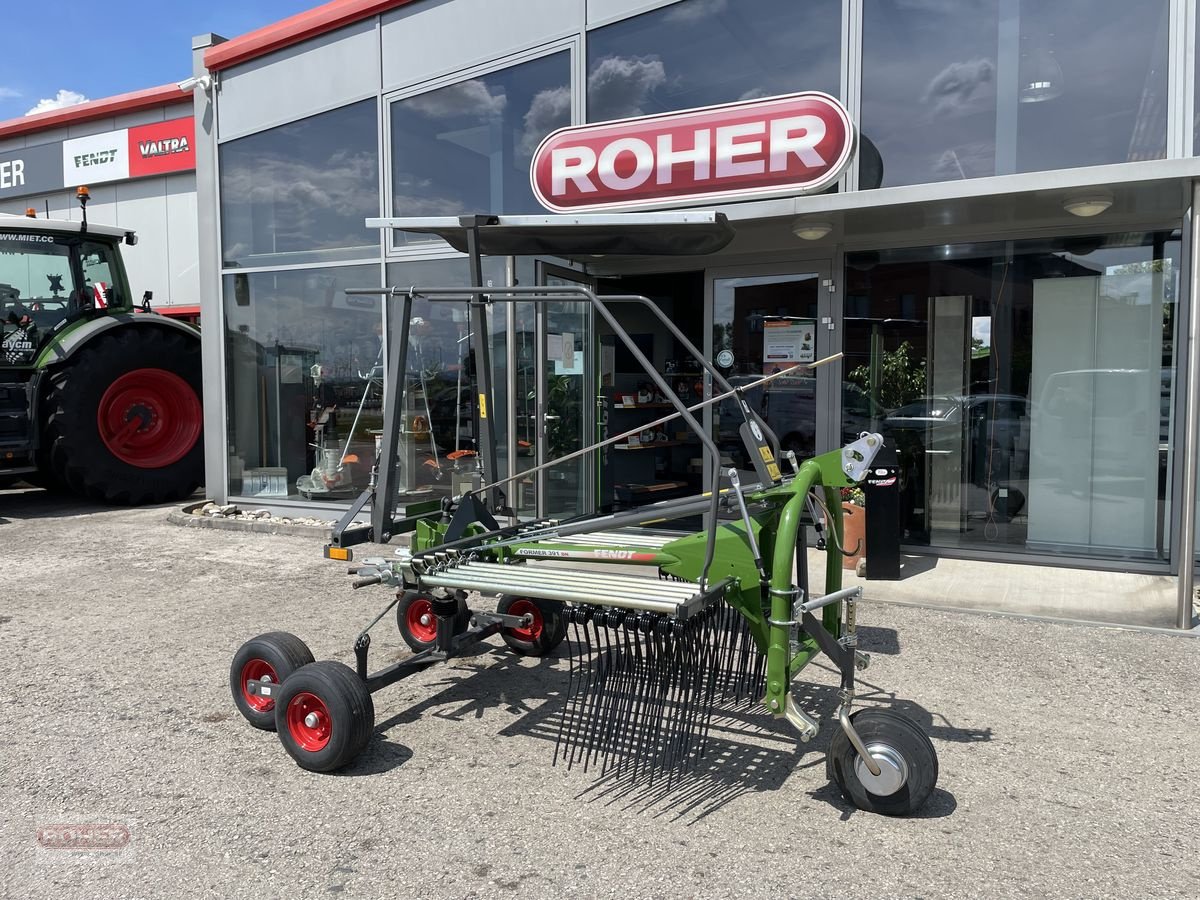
(778, 146)
(162, 147)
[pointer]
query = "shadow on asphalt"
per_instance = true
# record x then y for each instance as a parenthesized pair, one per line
(23, 503)
(747, 751)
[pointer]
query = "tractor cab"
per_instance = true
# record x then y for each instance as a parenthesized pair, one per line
(53, 273)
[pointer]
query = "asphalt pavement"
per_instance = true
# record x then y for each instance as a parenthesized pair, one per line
(1069, 758)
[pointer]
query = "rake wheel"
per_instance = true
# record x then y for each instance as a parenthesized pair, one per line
(543, 634)
(907, 760)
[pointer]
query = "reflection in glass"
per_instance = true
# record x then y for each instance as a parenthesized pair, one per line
(1028, 393)
(703, 52)
(745, 312)
(993, 87)
(466, 148)
(438, 444)
(304, 390)
(299, 193)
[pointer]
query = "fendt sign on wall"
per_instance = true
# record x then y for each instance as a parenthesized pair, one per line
(774, 147)
(154, 149)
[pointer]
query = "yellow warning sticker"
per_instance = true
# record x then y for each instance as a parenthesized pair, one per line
(483, 406)
(773, 471)
(765, 453)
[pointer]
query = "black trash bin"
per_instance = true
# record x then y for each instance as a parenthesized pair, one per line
(882, 492)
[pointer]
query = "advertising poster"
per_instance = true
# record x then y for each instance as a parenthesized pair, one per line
(787, 341)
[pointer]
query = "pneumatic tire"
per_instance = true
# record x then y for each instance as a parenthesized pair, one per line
(272, 656)
(124, 418)
(324, 716)
(543, 634)
(895, 737)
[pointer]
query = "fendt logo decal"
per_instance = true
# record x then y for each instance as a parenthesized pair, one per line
(98, 158)
(778, 146)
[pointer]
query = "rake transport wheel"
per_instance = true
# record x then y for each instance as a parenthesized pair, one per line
(418, 624)
(274, 656)
(124, 418)
(324, 716)
(906, 758)
(546, 632)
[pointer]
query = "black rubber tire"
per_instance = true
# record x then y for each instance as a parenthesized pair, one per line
(284, 653)
(346, 701)
(903, 735)
(74, 453)
(413, 604)
(542, 637)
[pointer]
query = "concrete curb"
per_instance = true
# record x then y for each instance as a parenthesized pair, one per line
(185, 518)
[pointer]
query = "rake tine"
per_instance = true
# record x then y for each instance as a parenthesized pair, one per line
(587, 686)
(562, 723)
(595, 719)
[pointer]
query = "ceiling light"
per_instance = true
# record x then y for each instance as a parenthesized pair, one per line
(1086, 205)
(810, 231)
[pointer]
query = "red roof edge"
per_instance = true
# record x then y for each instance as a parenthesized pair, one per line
(95, 109)
(294, 29)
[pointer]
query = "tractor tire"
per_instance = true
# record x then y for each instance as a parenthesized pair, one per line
(124, 418)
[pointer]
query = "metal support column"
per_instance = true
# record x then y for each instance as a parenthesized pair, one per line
(485, 445)
(1191, 424)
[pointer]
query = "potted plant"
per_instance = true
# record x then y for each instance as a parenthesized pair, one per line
(854, 526)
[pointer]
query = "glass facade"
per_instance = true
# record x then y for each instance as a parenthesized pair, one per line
(466, 148)
(704, 52)
(438, 443)
(1027, 388)
(299, 193)
(303, 382)
(993, 87)
(1028, 383)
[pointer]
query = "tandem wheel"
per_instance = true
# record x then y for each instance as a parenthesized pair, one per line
(269, 657)
(418, 624)
(543, 634)
(324, 716)
(907, 761)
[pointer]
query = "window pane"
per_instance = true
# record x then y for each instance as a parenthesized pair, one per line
(993, 87)
(466, 148)
(299, 193)
(301, 361)
(929, 89)
(437, 450)
(702, 52)
(1092, 95)
(1028, 395)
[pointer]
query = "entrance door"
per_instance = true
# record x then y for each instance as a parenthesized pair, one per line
(765, 323)
(565, 398)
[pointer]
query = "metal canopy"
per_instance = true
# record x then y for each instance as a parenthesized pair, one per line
(626, 234)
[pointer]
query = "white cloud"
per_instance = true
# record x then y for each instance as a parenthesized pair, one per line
(7, 93)
(60, 100)
(550, 109)
(619, 86)
(467, 98)
(696, 11)
(959, 88)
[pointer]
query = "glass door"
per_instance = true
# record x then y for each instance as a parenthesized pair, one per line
(767, 323)
(565, 404)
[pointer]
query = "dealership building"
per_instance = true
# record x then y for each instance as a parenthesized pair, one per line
(136, 155)
(1005, 265)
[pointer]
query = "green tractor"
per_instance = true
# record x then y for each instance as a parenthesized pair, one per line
(98, 395)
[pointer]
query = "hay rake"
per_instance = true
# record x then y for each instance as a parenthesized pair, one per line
(667, 627)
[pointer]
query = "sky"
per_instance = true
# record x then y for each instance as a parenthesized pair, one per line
(58, 52)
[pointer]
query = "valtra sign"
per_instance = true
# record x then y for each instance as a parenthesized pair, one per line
(774, 147)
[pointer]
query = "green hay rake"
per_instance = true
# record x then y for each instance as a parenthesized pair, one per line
(667, 627)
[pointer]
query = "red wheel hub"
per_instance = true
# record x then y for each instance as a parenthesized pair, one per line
(420, 620)
(149, 418)
(308, 721)
(254, 670)
(523, 607)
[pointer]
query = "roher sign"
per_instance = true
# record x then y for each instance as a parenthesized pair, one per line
(773, 147)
